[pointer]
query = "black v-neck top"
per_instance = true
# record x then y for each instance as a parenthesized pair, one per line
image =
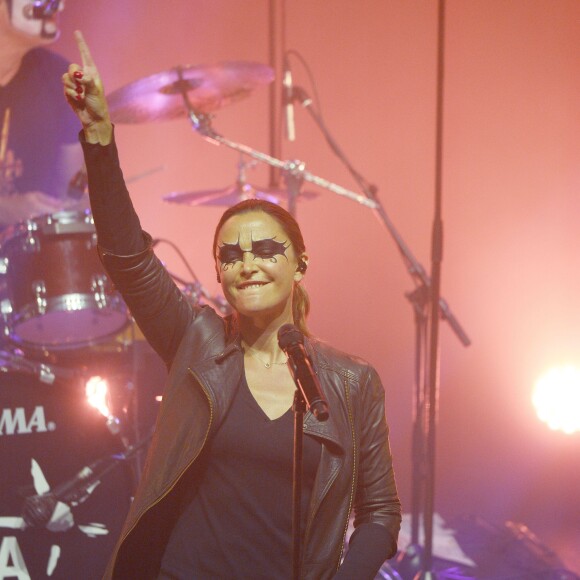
(239, 522)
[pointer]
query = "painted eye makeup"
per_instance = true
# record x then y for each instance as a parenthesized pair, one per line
(266, 249)
(230, 253)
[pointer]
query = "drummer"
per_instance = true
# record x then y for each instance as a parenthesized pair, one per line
(37, 176)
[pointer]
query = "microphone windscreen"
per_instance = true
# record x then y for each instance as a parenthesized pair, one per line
(289, 335)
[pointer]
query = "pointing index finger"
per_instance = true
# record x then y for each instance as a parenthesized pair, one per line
(85, 53)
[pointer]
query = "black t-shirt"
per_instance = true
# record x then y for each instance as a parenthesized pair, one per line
(239, 523)
(40, 120)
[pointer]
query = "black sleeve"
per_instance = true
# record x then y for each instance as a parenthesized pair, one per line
(155, 302)
(368, 548)
(118, 227)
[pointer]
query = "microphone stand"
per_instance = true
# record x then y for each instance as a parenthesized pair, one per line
(299, 408)
(423, 464)
(37, 510)
(427, 292)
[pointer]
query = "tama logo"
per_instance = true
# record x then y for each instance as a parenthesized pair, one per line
(17, 422)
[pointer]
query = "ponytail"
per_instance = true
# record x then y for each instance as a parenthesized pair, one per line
(300, 308)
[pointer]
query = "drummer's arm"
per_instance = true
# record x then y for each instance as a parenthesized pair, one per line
(20, 206)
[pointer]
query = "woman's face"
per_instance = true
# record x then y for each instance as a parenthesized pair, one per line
(258, 265)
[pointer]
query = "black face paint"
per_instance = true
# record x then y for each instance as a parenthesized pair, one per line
(268, 249)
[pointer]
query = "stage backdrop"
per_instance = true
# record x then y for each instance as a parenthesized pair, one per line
(511, 271)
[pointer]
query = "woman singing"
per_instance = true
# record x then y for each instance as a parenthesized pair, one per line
(215, 498)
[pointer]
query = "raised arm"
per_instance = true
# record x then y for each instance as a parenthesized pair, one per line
(154, 300)
(118, 228)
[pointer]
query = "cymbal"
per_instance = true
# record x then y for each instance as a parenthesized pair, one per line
(159, 97)
(231, 195)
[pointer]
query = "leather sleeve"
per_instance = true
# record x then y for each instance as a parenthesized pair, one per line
(126, 252)
(376, 498)
(157, 304)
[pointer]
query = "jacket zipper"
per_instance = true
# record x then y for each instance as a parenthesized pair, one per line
(354, 462)
(170, 488)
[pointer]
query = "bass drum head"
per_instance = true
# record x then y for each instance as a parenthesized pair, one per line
(48, 434)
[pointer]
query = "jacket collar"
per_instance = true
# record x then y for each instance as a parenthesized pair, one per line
(226, 369)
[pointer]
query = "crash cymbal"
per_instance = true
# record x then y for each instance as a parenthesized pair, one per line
(159, 97)
(231, 195)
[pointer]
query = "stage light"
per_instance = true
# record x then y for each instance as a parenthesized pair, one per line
(556, 398)
(98, 396)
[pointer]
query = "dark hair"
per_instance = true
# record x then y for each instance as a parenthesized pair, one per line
(301, 302)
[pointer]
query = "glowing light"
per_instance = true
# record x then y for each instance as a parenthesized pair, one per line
(556, 398)
(97, 392)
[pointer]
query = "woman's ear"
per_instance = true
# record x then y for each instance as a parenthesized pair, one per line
(302, 266)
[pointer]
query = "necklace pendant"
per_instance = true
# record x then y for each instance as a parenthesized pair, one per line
(267, 365)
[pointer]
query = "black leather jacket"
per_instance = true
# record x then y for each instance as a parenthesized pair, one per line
(355, 473)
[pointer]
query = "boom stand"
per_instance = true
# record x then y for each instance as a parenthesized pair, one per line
(426, 293)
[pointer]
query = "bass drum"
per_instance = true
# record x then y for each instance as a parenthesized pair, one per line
(48, 434)
(57, 295)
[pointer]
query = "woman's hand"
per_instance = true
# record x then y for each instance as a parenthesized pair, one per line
(85, 94)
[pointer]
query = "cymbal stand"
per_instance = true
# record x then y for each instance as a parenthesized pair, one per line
(196, 292)
(202, 125)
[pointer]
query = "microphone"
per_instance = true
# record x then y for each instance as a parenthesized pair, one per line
(38, 509)
(291, 341)
(288, 101)
(41, 9)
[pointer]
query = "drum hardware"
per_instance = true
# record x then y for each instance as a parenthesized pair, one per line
(235, 193)
(196, 294)
(6, 312)
(98, 286)
(294, 171)
(47, 374)
(39, 291)
(194, 291)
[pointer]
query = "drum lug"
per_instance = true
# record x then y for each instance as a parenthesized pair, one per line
(39, 291)
(30, 243)
(91, 243)
(98, 287)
